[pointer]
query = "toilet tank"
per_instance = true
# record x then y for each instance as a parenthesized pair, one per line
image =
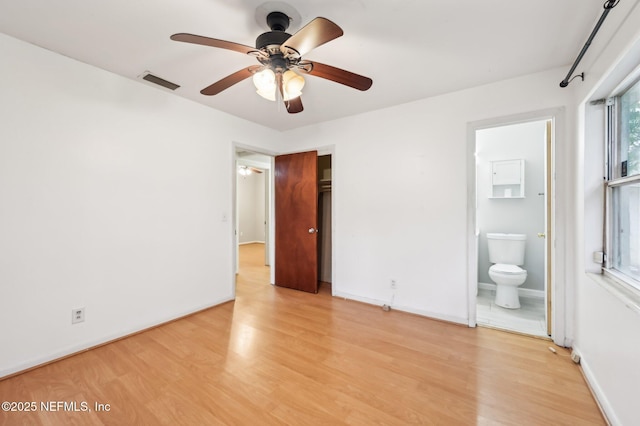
(506, 248)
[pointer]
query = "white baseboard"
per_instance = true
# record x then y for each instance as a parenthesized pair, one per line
(251, 242)
(522, 292)
(427, 314)
(94, 343)
(596, 391)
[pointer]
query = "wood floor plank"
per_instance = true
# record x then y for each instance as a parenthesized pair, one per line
(279, 356)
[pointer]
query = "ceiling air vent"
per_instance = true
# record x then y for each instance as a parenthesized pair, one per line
(160, 81)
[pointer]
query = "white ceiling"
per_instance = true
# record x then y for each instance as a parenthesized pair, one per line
(412, 49)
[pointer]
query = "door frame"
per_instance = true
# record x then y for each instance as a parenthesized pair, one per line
(322, 150)
(558, 268)
(235, 147)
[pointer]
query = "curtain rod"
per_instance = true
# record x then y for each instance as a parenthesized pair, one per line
(608, 5)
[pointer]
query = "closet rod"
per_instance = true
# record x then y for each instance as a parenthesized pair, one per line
(608, 5)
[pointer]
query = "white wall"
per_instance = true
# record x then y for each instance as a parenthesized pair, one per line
(607, 334)
(115, 196)
(525, 141)
(400, 192)
(251, 191)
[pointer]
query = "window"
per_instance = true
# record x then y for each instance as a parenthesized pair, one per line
(623, 186)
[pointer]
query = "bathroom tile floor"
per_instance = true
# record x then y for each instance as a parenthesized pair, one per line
(529, 319)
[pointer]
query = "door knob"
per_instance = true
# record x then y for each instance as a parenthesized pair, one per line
(313, 230)
(541, 235)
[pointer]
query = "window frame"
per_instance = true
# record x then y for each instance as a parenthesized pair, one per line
(613, 179)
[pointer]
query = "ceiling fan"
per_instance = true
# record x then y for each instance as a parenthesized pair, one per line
(280, 56)
(247, 170)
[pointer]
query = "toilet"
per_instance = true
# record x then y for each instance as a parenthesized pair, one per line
(506, 252)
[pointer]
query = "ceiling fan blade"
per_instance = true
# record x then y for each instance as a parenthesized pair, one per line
(294, 105)
(314, 34)
(206, 41)
(338, 75)
(254, 170)
(230, 80)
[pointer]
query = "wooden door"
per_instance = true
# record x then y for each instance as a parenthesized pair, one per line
(296, 197)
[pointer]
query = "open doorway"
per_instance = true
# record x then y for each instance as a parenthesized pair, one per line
(255, 217)
(513, 196)
(302, 187)
(253, 213)
(324, 222)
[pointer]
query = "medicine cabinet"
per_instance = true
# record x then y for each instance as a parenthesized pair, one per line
(507, 179)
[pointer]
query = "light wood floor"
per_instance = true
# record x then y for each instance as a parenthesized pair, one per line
(279, 356)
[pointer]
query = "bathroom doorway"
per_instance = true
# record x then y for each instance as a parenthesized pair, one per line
(513, 197)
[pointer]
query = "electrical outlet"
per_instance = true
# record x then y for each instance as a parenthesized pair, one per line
(394, 284)
(77, 315)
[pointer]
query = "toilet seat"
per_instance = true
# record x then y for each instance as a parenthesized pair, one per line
(502, 268)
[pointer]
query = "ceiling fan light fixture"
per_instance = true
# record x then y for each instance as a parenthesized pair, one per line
(244, 171)
(265, 82)
(268, 95)
(292, 85)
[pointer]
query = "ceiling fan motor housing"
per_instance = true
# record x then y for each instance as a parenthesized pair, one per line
(278, 22)
(271, 38)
